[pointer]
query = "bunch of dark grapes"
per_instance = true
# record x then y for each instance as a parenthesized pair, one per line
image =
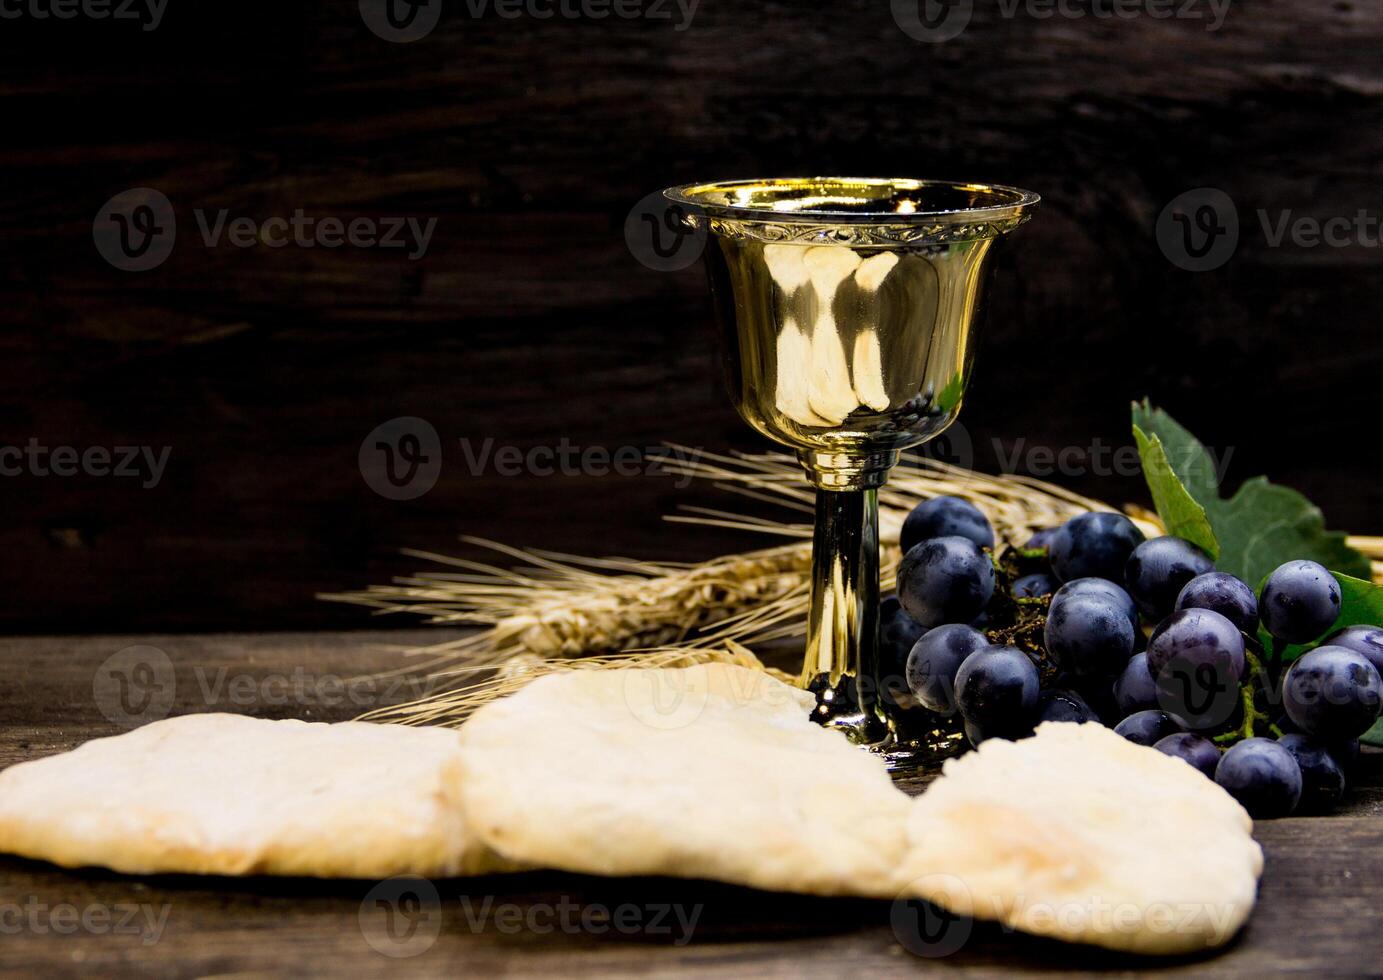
(1090, 622)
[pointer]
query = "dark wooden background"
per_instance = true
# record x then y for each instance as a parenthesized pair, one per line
(529, 321)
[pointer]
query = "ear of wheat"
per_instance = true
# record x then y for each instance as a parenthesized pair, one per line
(556, 611)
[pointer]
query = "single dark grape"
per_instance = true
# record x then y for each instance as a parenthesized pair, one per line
(1147, 727)
(1102, 587)
(1225, 594)
(943, 517)
(1199, 636)
(1333, 692)
(1158, 569)
(1262, 775)
(997, 690)
(945, 580)
(1036, 584)
(1196, 658)
(1299, 602)
(898, 632)
(933, 663)
(1197, 750)
(1322, 778)
(1367, 640)
(1064, 706)
(1096, 544)
(1134, 689)
(1088, 635)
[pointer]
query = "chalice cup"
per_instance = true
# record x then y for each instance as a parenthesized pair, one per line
(847, 308)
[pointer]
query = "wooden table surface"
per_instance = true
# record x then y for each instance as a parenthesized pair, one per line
(1318, 912)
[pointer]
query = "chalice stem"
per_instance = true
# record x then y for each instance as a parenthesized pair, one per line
(842, 626)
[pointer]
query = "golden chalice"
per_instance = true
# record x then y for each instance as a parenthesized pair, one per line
(846, 308)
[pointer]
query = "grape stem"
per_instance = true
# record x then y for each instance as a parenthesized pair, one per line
(1251, 713)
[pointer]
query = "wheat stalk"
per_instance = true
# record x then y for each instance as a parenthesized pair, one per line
(557, 605)
(558, 611)
(567, 606)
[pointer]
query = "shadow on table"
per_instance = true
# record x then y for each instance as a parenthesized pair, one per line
(550, 911)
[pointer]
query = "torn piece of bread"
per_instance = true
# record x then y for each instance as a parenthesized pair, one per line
(226, 794)
(1081, 835)
(712, 771)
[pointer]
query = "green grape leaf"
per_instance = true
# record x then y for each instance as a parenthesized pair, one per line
(1361, 602)
(1180, 513)
(1264, 525)
(1259, 528)
(1187, 458)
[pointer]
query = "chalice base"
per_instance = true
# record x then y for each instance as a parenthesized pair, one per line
(906, 754)
(909, 738)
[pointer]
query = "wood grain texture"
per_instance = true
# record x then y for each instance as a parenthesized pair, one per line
(1320, 889)
(528, 321)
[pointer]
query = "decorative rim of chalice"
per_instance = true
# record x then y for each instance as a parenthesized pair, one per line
(855, 210)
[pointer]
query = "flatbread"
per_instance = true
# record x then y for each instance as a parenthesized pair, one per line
(225, 794)
(1081, 835)
(712, 771)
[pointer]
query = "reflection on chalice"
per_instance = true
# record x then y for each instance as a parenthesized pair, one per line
(847, 309)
